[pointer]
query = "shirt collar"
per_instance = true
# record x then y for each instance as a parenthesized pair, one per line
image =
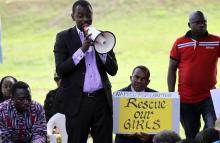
(133, 90)
(189, 34)
(78, 31)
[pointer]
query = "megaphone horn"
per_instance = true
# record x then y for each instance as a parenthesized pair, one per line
(103, 41)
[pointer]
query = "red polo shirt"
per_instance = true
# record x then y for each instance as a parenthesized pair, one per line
(197, 66)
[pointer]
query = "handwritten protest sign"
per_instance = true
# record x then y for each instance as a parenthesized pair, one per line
(149, 112)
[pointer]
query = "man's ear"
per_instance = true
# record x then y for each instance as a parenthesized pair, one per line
(131, 78)
(189, 25)
(72, 15)
(148, 82)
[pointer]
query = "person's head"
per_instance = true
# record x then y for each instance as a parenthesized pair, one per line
(21, 95)
(140, 78)
(82, 13)
(188, 141)
(208, 135)
(5, 85)
(57, 79)
(197, 23)
(166, 136)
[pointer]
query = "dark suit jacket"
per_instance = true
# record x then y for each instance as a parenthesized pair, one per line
(128, 88)
(70, 93)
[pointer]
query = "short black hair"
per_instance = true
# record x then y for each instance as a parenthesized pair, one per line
(20, 84)
(197, 12)
(207, 136)
(82, 3)
(143, 68)
(166, 136)
(188, 140)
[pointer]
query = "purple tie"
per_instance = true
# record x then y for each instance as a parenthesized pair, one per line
(81, 35)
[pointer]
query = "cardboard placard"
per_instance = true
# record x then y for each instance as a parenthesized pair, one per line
(149, 112)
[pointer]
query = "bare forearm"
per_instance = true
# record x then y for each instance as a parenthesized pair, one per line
(171, 77)
(171, 81)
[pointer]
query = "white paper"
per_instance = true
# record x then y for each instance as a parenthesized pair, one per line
(215, 93)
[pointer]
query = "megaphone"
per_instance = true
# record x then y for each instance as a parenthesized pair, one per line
(103, 41)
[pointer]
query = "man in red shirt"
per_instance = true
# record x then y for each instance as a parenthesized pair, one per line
(195, 55)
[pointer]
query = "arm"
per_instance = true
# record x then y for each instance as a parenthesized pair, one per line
(39, 128)
(110, 64)
(5, 135)
(171, 77)
(64, 62)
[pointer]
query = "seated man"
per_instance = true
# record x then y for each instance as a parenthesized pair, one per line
(139, 80)
(22, 120)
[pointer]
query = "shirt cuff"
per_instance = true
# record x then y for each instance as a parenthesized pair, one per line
(39, 140)
(77, 56)
(103, 58)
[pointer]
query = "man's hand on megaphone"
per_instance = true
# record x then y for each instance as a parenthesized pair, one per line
(86, 43)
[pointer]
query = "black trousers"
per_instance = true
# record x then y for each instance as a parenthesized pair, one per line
(190, 116)
(94, 117)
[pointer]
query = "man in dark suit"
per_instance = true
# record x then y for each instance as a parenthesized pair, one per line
(139, 80)
(85, 91)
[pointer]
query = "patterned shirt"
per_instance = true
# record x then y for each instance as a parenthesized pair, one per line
(26, 127)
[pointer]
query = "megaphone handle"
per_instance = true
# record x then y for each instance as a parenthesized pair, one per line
(86, 43)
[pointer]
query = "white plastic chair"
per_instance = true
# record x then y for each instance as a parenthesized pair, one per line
(59, 121)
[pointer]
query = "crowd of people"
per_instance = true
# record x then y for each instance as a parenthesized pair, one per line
(24, 120)
(83, 94)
